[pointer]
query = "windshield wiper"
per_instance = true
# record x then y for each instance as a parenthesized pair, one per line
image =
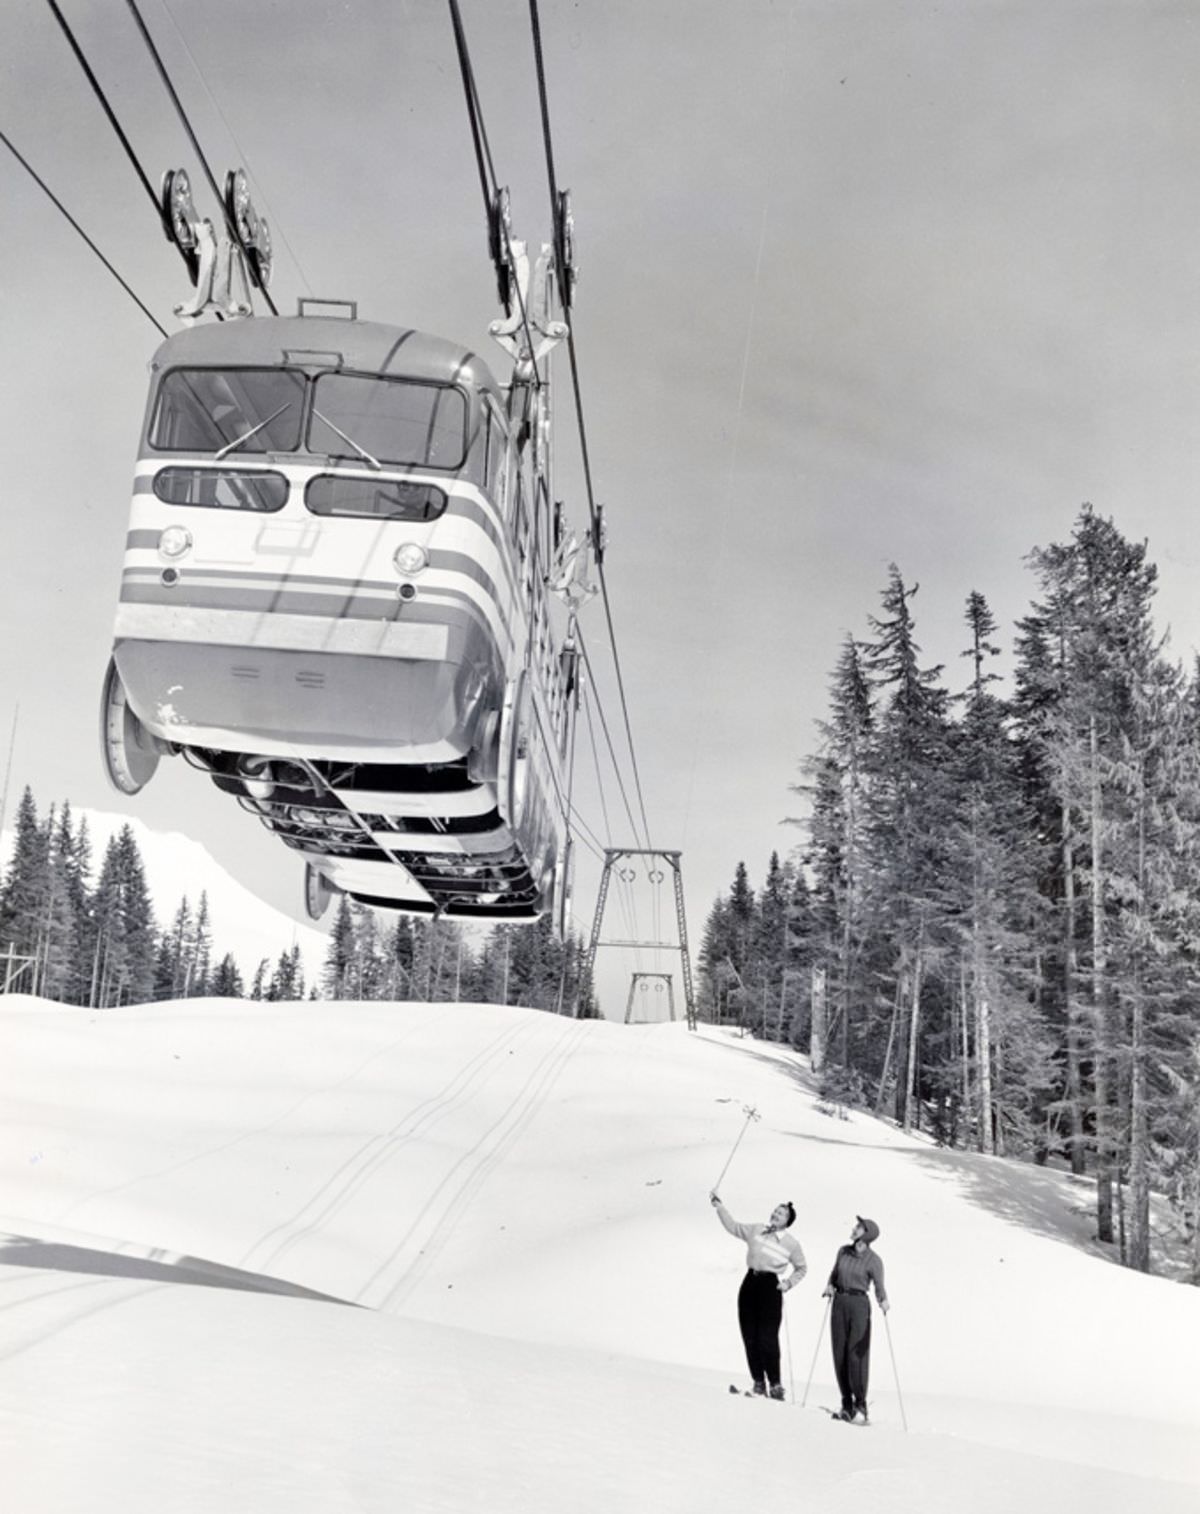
(350, 442)
(253, 431)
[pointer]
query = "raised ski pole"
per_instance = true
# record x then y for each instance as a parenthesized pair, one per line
(895, 1374)
(751, 1114)
(816, 1348)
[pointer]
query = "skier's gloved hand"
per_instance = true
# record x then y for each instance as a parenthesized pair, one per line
(828, 1293)
(884, 1306)
(784, 1284)
(714, 1198)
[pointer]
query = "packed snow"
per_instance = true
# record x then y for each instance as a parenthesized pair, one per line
(324, 1257)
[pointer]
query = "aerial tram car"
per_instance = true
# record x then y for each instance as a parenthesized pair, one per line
(348, 596)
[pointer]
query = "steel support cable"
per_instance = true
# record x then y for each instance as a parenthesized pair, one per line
(57, 203)
(483, 161)
(560, 253)
(587, 710)
(276, 228)
(585, 457)
(107, 108)
(551, 178)
(604, 596)
(195, 141)
(587, 662)
(622, 897)
(483, 155)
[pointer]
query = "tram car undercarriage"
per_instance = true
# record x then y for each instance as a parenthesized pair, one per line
(336, 602)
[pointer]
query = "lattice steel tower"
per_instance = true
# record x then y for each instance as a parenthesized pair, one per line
(612, 855)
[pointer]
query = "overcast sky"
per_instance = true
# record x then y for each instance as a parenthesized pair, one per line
(860, 283)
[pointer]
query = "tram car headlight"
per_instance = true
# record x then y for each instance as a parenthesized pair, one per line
(174, 542)
(410, 559)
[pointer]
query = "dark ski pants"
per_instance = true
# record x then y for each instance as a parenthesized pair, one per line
(850, 1334)
(760, 1310)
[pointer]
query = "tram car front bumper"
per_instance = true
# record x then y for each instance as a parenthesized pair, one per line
(280, 685)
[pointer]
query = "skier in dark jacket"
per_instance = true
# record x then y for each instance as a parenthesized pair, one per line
(774, 1263)
(854, 1267)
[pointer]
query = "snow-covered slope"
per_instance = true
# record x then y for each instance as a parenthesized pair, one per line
(518, 1203)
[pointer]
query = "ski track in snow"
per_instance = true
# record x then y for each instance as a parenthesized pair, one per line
(352, 1174)
(436, 1218)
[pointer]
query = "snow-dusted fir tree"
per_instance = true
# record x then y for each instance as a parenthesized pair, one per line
(1005, 1052)
(837, 785)
(226, 981)
(907, 827)
(339, 958)
(126, 939)
(1102, 587)
(23, 898)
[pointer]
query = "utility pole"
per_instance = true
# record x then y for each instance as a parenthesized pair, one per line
(12, 741)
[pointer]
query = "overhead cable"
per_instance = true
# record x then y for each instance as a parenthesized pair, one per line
(487, 172)
(49, 193)
(587, 662)
(585, 457)
(108, 110)
(196, 148)
(243, 159)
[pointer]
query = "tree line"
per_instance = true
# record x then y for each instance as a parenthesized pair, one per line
(68, 938)
(991, 928)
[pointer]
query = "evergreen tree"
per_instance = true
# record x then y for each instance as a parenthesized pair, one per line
(339, 960)
(1004, 1049)
(126, 940)
(24, 895)
(226, 982)
(769, 947)
(398, 959)
(57, 933)
(906, 830)
(715, 972)
(838, 787)
(287, 981)
(75, 850)
(1104, 587)
(202, 950)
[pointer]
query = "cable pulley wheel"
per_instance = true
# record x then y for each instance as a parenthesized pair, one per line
(499, 243)
(252, 232)
(179, 218)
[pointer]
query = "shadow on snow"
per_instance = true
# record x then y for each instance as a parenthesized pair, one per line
(157, 1266)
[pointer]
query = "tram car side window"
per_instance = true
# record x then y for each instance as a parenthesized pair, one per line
(495, 453)
(335, 494)
(222, 488)
(242, 409)
(368, 418)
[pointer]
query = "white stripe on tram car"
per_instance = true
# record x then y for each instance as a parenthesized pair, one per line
(432, 844)
(420, 641)
(383, 879)
(456, 805)
(468, 558)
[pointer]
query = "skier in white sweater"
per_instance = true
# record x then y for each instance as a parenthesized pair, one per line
(774, 1262)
